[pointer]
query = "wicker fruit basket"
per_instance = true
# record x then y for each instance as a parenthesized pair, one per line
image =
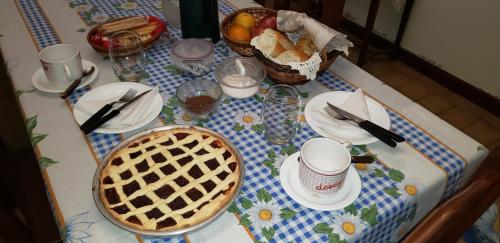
(243, 47)
(284, 74)
(94, 38)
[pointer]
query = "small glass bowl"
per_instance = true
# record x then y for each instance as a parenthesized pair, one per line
(193, 56)
(199, 98)
(240, 77)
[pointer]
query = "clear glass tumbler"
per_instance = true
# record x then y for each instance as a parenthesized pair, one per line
(280, 113)
(127, 56)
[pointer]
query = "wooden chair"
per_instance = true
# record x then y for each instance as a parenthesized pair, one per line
(328, 12)
(449, 221)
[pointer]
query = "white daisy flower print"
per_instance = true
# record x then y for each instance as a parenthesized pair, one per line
(77, 227)
(83, 8)
(100, 17)
(279, 160)
(302, 119)
(128, 5)
(365, 169)
(183, 118)
(247, 119)
(264, 214)
(400, 231)
(409, 188)
(347, 226)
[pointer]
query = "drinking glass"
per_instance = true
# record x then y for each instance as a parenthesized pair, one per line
(127, 56)
(280, 113)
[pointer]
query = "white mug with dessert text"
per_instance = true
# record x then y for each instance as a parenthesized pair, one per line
(323, 165)
(61, 63)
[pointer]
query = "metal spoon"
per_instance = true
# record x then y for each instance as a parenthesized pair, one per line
(77, 82)
(357, 159)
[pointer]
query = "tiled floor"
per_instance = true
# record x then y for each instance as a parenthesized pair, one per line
(451, 107)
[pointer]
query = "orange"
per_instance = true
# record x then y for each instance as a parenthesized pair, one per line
(245, 20)
(239, 33)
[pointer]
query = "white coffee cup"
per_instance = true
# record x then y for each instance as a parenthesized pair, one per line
(61, 63)
(323, 165)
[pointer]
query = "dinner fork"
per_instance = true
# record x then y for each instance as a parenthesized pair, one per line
(334, 114)
(126, 97)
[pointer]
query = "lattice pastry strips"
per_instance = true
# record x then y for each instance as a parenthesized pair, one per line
(169, 180)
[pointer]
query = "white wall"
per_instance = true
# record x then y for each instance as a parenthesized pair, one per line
(462, 37)
(386, 23)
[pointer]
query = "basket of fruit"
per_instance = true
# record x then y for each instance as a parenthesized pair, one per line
(278, 53)
(240, 26)
(148, 28)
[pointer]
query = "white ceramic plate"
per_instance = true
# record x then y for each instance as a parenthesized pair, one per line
(40, 81)
(345, 130)
(114, 91)
(289, 177)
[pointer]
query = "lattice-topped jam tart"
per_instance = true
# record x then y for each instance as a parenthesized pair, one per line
(169, 180)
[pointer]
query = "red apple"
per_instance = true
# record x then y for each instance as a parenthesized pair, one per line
(268, 22)
(257, 30)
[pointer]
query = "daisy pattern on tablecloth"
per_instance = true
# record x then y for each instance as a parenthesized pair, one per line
(302, 119)
(400, 231)
(99, 17)
(279, 160)
(76, 228)
(129, 5)
(83, 8)
(347, 226)
(409, 188)
(263, 91)
(247, 119)
(183, 118)
(274, 160)
(365, 169)
(264, 214)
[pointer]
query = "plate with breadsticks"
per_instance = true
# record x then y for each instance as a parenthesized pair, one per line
(148, 28)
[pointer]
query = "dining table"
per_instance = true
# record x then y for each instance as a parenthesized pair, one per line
(398, 190)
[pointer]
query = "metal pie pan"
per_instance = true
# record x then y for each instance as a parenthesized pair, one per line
(108, 216)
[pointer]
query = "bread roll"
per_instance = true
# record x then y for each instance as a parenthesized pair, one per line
(273, 43)
(292, 56)
(306, 45)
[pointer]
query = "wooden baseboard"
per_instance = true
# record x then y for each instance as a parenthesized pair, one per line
(457, 85)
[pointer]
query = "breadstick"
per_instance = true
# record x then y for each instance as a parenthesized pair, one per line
(123, 25)
(132, 19)
(146, 29)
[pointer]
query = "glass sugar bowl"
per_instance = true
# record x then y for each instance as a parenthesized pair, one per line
(240, 77)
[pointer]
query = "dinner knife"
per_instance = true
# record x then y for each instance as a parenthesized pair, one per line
(374, 129)
(112, 114)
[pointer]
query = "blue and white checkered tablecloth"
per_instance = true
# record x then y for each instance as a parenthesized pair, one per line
(381, 210)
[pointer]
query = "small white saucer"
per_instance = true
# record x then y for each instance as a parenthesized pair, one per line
(289, 177)
(40, 81)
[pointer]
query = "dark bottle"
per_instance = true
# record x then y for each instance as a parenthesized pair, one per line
(200, 19)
